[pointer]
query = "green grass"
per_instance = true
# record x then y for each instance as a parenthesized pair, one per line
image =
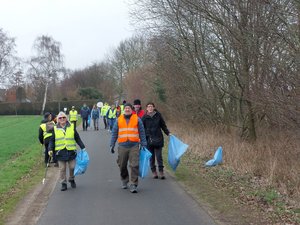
(20, 159)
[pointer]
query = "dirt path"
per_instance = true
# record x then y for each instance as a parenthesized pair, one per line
(31, 207)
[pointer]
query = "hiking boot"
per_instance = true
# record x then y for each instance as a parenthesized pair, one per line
(73, 184)
(133, 188)
(161, 175)
(155, 176)
(64, 187)
(124, 185)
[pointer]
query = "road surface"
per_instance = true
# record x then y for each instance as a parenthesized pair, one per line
(99, 199)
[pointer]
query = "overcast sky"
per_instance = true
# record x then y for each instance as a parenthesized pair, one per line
(87, 29)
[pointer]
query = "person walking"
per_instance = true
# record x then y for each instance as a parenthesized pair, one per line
(73, 115)
(111, 116)
(130, 133)
(45, 132)
(154, 124)
(138, 108)
(95, 114)
(84, 113)
(63, 140)
(104, 110)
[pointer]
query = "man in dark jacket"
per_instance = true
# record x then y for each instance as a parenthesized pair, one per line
(84, 113)
(153, 124)
(63, 141)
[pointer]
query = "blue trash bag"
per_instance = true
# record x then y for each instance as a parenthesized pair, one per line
(89, 121)
(82, 162)
(144, 162)
(217, 158)
(176, 149)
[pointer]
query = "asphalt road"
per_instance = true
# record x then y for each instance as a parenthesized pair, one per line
(99, 199)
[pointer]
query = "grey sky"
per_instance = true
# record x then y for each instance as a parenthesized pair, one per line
(87, 29)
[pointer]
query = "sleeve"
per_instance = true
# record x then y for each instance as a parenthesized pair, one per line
(41, 136)
(142, 133)
(78, 139)
(114, 134)
(163, 125)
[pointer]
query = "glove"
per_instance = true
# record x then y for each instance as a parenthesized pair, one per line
(112, 150)
(50, 153)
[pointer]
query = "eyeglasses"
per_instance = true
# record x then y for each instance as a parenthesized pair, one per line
(63, 117)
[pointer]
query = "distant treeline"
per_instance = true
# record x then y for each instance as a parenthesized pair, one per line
(34, 108)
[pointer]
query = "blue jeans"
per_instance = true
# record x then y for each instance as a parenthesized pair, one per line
(111, 123)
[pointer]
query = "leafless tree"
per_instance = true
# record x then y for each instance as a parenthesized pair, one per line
(232, 62)
(130, 55)
(46, 64)
(8, 59)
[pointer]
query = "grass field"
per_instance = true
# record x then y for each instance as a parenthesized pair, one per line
(20, 159)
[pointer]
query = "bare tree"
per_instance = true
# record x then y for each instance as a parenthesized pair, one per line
(8, 60)
(232, 62)
(46, 64)
(130, 55)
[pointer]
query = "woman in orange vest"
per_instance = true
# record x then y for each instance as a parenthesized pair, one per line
(130, 132)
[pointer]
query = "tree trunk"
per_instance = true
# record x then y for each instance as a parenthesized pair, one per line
(45, 98)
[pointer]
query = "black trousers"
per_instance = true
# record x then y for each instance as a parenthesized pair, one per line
(84, 123)
(156, 156)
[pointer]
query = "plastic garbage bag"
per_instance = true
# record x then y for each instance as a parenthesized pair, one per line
(82, 162)
(217, 158)
(144, 162)
(89, 121)
(176, 149)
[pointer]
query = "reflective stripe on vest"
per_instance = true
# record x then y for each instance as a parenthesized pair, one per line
(112, 114)
(45, 133)
(73, 115)
(65, 139)
(128, 132)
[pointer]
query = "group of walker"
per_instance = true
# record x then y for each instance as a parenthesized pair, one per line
(130, 126)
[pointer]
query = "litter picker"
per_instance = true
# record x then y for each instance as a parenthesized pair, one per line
(46, 169)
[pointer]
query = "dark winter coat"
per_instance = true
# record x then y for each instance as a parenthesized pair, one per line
(85, 112)
(65, 155)
(153, 126)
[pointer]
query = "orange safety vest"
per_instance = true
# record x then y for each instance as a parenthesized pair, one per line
(130, 131)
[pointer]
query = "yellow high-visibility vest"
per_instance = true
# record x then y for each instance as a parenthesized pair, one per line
(112, 114)
(73, 115)
(46, 134)
(122, 109)
(65, 139)
(104, 110)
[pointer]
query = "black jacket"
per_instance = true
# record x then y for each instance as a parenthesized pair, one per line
(65, 155)
(153, 126)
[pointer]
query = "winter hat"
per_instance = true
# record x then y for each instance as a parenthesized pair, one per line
(46, 115)
(128, 104)
(137, 102)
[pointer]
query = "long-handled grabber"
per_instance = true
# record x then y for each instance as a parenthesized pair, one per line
(46, 169)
